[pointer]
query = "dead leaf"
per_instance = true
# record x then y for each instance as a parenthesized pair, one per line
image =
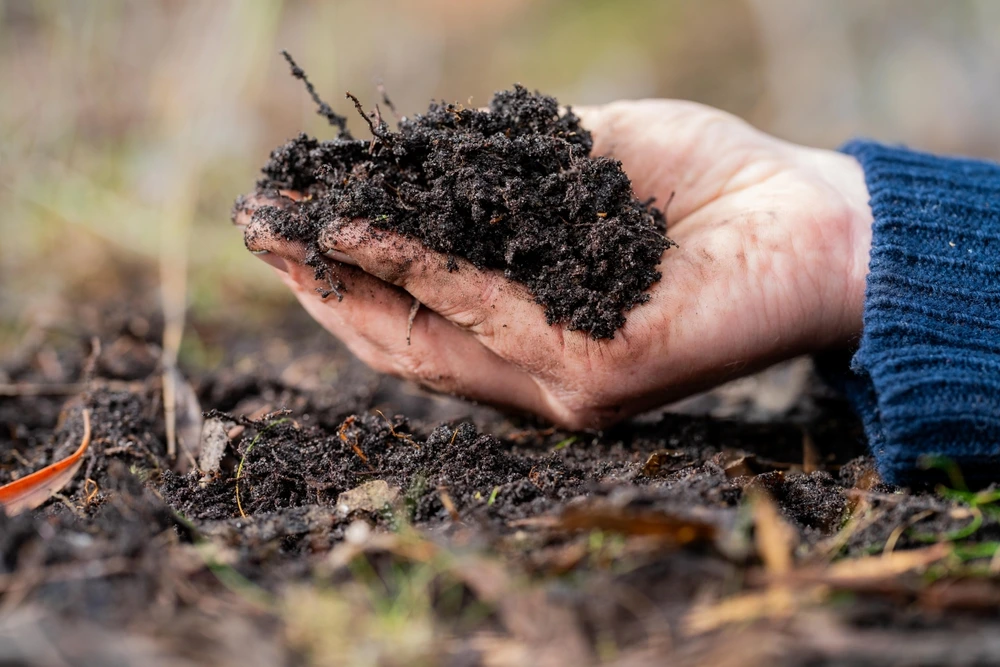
(663, 462)
(32, 490)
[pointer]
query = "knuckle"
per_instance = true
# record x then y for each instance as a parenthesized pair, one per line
(473, 310)
(577, 409)
(422, 367)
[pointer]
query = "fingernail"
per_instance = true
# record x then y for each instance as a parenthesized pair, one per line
(272, 259)
(340, 257)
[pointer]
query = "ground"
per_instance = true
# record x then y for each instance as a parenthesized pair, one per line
(334, 516)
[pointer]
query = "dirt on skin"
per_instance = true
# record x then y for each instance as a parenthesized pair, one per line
(513, 189)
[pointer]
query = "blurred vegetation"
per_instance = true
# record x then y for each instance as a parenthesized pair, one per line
(127, 128)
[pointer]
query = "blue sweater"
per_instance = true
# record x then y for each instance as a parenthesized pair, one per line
(926, 376)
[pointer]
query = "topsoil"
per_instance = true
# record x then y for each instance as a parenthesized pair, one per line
(513, 188)
(328, 515)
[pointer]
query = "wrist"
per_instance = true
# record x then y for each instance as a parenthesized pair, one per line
(850, 216)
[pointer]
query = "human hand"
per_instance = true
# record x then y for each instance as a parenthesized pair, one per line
(773, 241)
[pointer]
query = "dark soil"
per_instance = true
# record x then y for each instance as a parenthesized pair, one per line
(513, 189)
(601, 545)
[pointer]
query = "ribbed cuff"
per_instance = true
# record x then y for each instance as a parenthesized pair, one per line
(928, 366)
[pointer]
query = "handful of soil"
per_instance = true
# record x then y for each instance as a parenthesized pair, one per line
(513, 189)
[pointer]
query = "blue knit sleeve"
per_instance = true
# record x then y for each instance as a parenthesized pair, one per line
(927, 371)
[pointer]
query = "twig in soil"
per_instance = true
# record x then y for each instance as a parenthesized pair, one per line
(414, 309)
(355, 447)
(377, 126)
(324, 109)
(401, 436)
(239, 469)
(90, 488)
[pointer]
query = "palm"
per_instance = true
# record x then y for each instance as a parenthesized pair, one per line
(771, 262)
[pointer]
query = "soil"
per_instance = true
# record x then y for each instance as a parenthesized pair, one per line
(513, 188)
(348, 515)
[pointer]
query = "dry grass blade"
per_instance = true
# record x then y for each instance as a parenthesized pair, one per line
(31, 491)
(867, 570)
(771, 603)
(775, 538)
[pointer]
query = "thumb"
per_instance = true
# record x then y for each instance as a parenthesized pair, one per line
(669, 147)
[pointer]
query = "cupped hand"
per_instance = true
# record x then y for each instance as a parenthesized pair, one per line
(773, 241)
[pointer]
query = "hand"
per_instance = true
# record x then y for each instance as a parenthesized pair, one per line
(773, 252)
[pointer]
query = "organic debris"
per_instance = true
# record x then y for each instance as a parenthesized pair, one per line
(32, 490)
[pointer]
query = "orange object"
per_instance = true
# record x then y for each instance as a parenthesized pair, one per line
(31, 491)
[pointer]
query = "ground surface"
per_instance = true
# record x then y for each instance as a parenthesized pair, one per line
(374, 524)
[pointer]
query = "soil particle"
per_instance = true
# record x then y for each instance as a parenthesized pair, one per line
(513, 189)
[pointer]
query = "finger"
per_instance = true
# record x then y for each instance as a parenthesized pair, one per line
(374, 320)
(481, 301)
(247, 205)
(674, 148)
(243, 214)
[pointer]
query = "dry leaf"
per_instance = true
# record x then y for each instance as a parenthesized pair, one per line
(664, 461)
(32, 490)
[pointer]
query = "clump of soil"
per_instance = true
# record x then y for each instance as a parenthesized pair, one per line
(288, 465)
(514, 189)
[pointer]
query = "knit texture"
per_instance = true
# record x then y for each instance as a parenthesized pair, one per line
(927, 370)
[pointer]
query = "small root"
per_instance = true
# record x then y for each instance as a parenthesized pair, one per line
(334, 290)
(323, 109)
(399, 436)
(378, 127)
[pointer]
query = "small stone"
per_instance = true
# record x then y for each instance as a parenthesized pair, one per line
(369, 497)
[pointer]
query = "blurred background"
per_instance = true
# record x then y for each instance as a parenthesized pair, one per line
(127, 128)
